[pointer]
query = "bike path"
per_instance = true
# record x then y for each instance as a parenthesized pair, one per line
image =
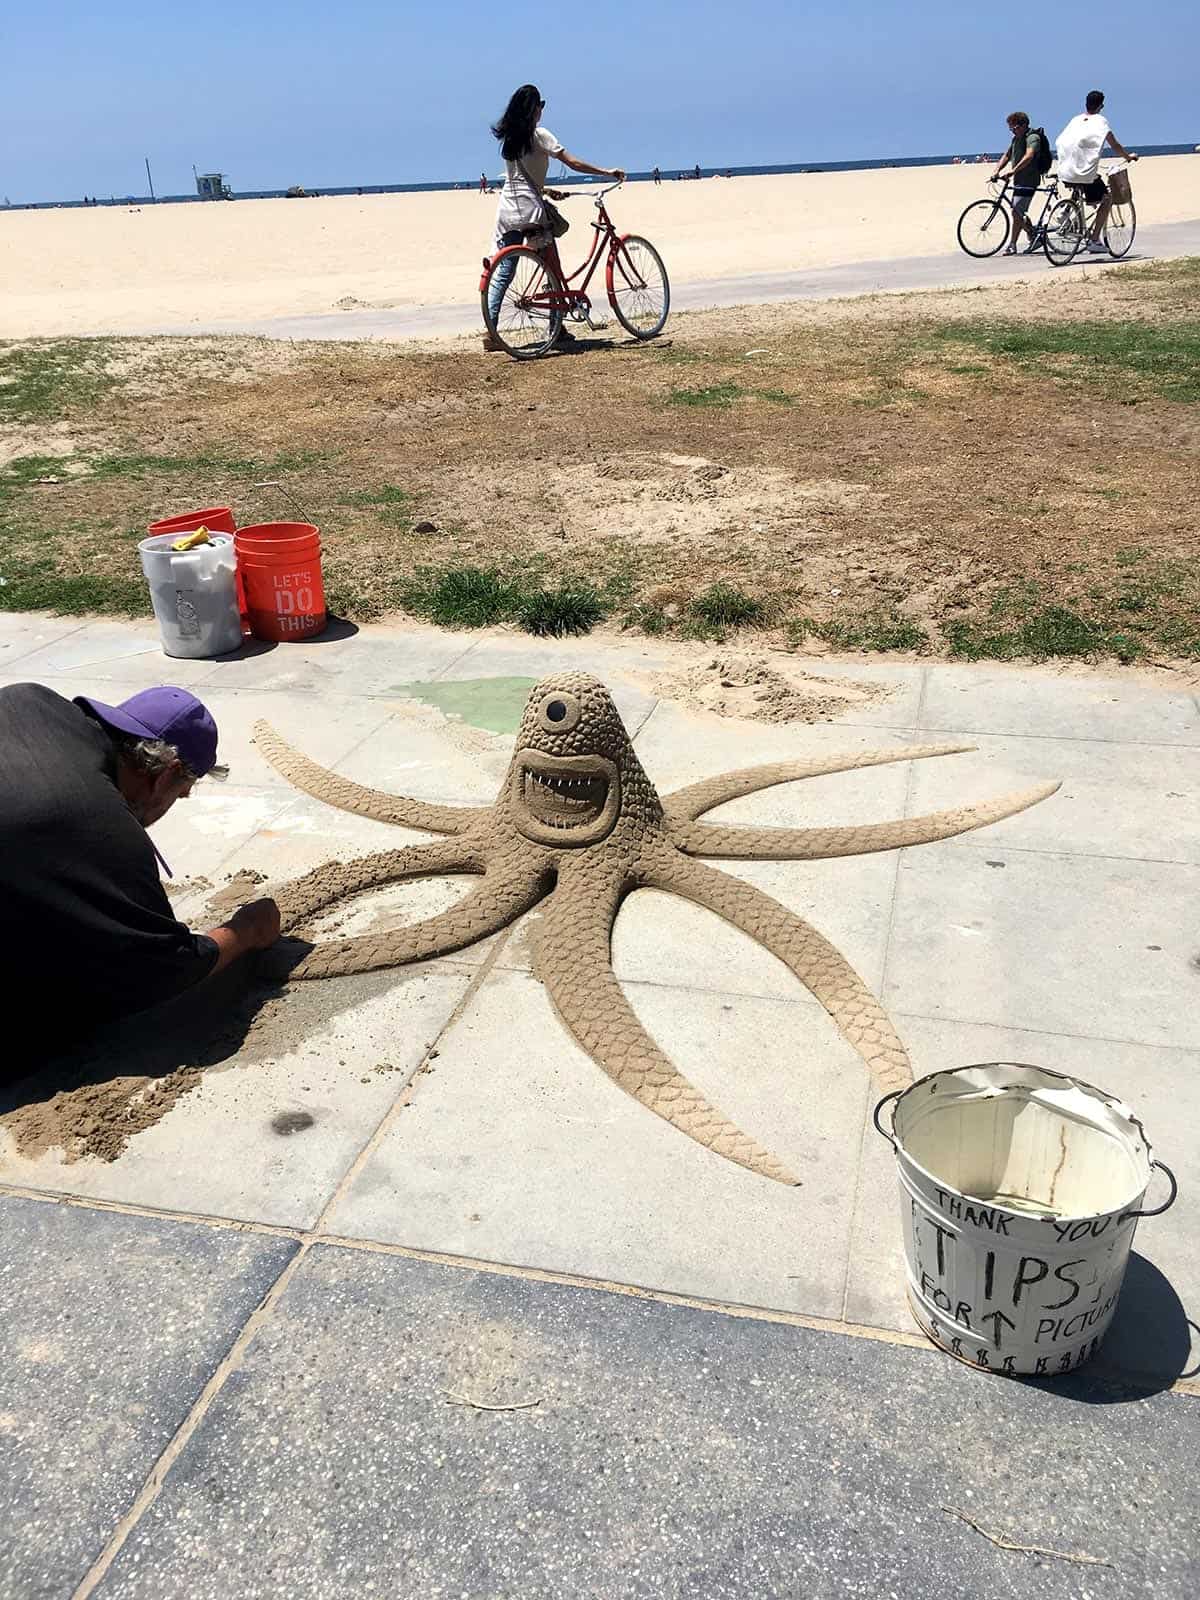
(952, 270)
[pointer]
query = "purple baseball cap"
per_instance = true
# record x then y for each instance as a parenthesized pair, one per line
(172, 715)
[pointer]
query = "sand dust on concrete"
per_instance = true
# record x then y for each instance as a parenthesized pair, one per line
(77, 1104)
(762, 690)
(238, 888)
(96, 1119)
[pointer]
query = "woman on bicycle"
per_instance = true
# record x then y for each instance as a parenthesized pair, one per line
(520, 216)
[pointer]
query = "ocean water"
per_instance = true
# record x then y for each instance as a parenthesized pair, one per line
(669, 175)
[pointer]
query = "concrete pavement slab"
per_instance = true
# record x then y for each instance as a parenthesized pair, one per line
(671, 1452)
(517, 1148)
(366, 662)
(1044, 704)
(99, 647)
(1163, 1089)
(1130, 800)
(1077, 945)
(112, 1326)
(269, 1130)
(21, 633)
(327, 732)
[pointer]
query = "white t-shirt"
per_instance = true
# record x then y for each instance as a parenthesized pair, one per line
(520, 205)
(1079, 147)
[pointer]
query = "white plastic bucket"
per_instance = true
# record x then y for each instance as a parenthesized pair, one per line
(194, 594)
(1020, 1192)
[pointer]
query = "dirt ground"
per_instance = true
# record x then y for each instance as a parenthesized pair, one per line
(867, 472)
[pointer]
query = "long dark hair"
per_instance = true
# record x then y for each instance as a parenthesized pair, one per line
(515, 128)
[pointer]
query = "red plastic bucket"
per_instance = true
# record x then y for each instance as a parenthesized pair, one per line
(217, 519)
(280, 567)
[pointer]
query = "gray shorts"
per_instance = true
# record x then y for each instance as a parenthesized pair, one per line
(1021, 199)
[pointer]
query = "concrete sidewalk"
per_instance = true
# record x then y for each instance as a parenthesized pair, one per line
(268, 1317)
(952, 270)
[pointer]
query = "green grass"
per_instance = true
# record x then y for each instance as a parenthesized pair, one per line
(39, 586)
(722, 606)
(571, 607)
(396, 506)
(1163, 357)
(1148, 605)
(44, 380)
(479, 597)
(462, 597)
(873, 630)
(720, 396)
(1052, 631)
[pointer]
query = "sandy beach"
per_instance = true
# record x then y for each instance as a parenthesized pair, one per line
(176, 267)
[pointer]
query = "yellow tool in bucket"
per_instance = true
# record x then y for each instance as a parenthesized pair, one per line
(191, 540)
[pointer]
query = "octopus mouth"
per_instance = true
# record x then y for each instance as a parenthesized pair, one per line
(565, 800)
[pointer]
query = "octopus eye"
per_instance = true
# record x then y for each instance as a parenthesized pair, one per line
(559, 713)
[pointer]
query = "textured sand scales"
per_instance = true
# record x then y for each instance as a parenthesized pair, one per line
(578, 825)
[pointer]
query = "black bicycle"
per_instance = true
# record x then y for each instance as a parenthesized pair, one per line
(986, 226)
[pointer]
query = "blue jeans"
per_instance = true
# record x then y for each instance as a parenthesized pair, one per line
(503, 275)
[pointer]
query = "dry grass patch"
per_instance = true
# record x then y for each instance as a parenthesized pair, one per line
(1003, 472)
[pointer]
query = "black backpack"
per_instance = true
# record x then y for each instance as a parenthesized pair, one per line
(1044, 159)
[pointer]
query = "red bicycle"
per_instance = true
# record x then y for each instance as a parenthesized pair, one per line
(526, 296)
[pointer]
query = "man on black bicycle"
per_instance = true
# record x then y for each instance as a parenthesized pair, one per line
(1079, 147)
(1023, 159)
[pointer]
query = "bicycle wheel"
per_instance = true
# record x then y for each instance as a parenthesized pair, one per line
(1064, 233)
(984, 227)
(638, 290)
(1120, 229)
(528, 317)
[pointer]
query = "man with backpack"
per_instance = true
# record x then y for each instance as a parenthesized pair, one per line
(1028, 159)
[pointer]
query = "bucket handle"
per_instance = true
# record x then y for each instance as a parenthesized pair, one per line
(880, 1129)
(1167, 1203)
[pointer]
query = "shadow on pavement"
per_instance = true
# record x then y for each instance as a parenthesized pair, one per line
(95, 1080)
(1150, 1345)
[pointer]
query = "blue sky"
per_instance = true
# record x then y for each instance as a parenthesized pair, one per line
(362, 92)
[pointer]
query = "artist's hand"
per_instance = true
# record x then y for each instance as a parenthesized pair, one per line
(1133, 156)
(618, 173)
(556, 194)
(256, 924)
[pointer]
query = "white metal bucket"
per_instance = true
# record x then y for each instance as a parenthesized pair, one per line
(1020, 1194)
(194, 594)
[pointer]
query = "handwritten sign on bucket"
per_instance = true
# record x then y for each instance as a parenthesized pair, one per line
(1020, 1191)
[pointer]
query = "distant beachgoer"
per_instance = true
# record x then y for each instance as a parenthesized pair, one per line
(520, 216)
(696, 172)
(1079, 147)
(657, 176)
(1022, 160)
(483, 183)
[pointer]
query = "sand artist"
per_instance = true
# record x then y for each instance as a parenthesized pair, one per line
(86, 931)
(578, 825)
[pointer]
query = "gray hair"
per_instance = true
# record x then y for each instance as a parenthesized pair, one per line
(151, 756)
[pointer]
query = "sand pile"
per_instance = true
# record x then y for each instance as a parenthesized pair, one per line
(760, 690)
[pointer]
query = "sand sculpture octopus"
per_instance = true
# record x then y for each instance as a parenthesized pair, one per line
(577, 826)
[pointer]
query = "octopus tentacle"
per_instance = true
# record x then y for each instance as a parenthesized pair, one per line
(491, 906)
(820, 967)
(349, 796)
(814, 844)
(574, 961)
(685, 805)
(333, 881)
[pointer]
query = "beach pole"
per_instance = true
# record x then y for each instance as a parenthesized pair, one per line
(149, 179)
